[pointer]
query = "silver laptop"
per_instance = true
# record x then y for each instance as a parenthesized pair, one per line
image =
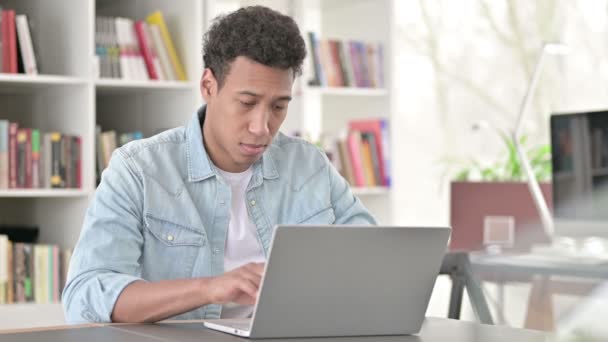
(328, 281)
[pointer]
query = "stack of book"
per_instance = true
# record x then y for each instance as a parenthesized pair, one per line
(16, 48)
(136, 50)
(346, 63)
(107, 142)
(362, 157)
(32, 272)
(31, 159)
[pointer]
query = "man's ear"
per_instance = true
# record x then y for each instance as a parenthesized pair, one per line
(208, 85)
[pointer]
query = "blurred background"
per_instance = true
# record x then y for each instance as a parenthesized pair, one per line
(416, 102)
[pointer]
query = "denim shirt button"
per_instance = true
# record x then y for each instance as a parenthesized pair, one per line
(252, 203)
(170, 237)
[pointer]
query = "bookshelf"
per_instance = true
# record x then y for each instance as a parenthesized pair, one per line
(68, 96)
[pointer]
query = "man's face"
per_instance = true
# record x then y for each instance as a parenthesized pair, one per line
(246, 113)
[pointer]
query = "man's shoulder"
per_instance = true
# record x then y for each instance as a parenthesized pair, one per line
(286, 144)
(160, 143)
(292, 153)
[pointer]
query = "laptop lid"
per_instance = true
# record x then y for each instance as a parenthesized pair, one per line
(348, 280)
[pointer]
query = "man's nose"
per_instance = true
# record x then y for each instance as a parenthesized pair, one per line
(258, 125)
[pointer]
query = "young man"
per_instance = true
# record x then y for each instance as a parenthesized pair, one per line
(181, 222)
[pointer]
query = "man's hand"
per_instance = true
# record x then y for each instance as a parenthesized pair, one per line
(237, 286)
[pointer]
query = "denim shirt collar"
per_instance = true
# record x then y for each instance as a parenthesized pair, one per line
(200, 166)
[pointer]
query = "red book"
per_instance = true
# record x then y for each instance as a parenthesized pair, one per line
(144, 46)
(374, 127)
(12, 42)
(12, 154)
(5, 52)
(354, 149)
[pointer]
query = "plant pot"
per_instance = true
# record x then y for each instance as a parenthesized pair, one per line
(480, 209)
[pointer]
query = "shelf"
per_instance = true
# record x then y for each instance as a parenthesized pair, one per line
(349, 91)
(42, 193)
(119, 85)
(376, 190)
(38, 81)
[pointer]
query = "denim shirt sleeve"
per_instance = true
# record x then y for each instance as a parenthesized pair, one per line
(106, 257)
(348, 209)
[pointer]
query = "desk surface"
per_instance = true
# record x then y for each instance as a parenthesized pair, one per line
(541, 265)
(434, 329)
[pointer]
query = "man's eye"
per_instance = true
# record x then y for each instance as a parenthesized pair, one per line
(248, 104)
(279, 107)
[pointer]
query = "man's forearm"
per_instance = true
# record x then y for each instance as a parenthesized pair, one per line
(151, 302)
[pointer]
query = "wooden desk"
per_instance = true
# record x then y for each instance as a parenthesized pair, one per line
(434, 330)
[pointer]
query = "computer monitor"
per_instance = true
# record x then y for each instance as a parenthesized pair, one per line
(579, 145)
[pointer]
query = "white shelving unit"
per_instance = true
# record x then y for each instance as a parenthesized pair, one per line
(68, 97)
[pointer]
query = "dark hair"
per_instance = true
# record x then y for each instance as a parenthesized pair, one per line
(256, 32)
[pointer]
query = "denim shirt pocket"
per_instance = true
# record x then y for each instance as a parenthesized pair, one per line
(174, 234)
(171, 249)
(323, 216)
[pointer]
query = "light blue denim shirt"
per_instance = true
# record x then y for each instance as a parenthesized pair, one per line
(162, 212)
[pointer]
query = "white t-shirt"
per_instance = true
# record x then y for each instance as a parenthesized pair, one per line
(242, 243)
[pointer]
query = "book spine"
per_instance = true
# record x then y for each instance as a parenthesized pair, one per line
(144, 47)
(56, 274)
(12, 42)
(29, 261)
(12, 154)
(6, 63)
(28, 158)
(22, 158)
(385, 153)
(77, 161)
(67, 161)
(35, 158)
(3, 268)
(10, 285)
(354, 150)
(56, 179)
(19, 272)
(4, 137)
(157, 18)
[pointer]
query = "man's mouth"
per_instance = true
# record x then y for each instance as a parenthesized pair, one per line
(252, 149)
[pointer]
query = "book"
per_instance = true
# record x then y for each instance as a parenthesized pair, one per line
(375, 162)
(10, 286)
(146, 50)
(354, 151)
(163, 54)
(379, 128)
(24, 158)
(367, 163)
(5, 45)
(3, 269)
(12, 41)
(12, 154)
(347, 167)
(25, 43)
(4, 154)
(19, 272)
(35, 174)
(318, 78)
(156, 18)
(57, 179)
